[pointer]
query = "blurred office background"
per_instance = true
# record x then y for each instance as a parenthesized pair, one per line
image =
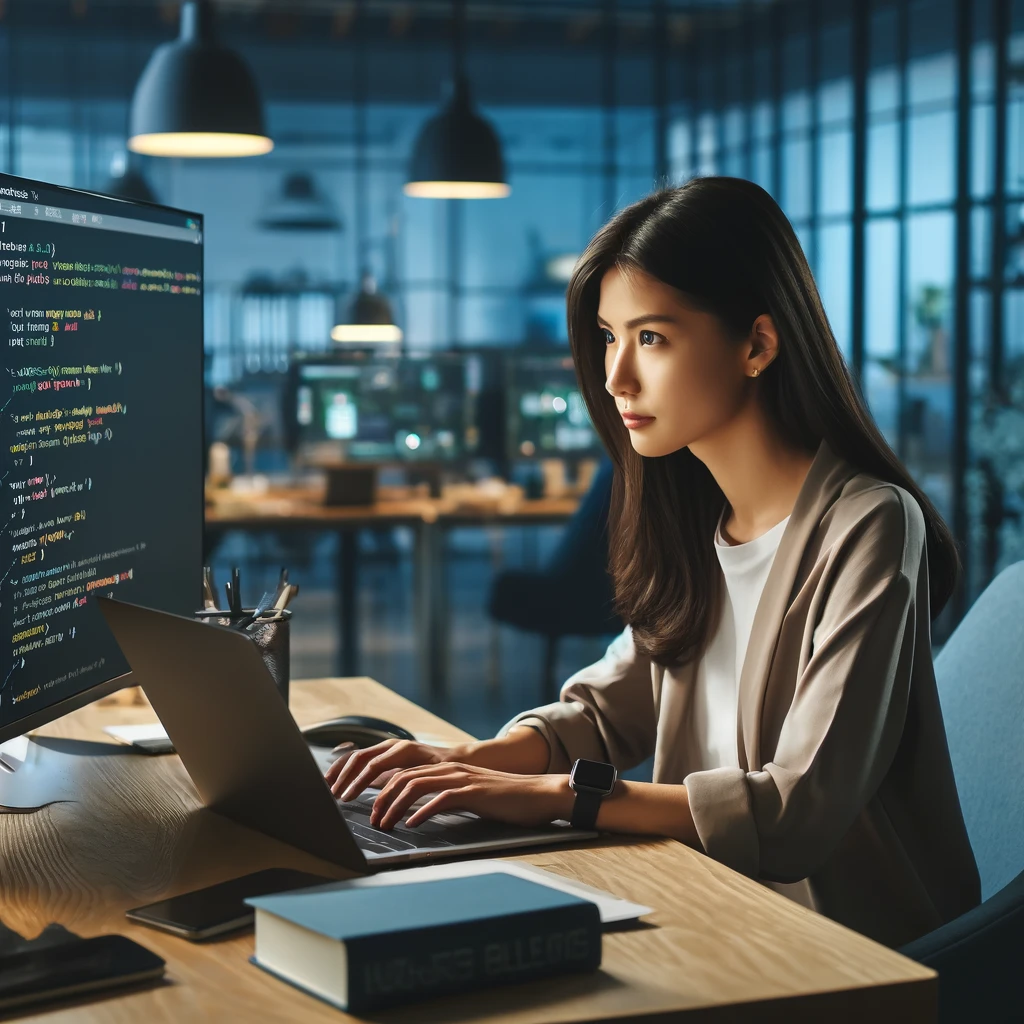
(891, 132)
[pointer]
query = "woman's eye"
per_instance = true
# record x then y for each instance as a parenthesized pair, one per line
(649, 338)
(609, 338)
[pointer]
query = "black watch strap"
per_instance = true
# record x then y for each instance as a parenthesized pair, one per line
(584, 810)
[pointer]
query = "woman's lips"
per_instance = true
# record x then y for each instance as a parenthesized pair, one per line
(635, 422)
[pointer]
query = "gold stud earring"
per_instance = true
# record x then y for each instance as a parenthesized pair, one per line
(755, 373)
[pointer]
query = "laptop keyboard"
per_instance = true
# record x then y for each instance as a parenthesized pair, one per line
(439, 831)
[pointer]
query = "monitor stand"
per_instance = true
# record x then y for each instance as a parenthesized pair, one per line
(30, 777)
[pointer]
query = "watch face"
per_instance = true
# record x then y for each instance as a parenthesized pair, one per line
(593, 775)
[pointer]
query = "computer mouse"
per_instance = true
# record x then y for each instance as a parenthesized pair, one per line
(361, 730)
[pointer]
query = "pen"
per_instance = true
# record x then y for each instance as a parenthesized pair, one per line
(209, 589)
(285, 596)
(262, 605)
(236, 591)
(282, 588)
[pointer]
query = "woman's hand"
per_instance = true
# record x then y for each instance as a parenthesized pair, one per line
(448, 784)
(523, 751)
(357, 768)
(502, 796)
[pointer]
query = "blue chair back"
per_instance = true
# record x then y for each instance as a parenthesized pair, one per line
(980, 676)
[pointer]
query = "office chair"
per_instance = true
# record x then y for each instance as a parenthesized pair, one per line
(573, 594)
(980, 675)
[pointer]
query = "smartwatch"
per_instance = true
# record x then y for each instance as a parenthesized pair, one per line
(591, 781)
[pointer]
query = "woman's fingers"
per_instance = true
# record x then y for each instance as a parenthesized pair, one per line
(337, 768)
(386, 814)
(449, 798)
(348, 757)
(384, 778)
(356, 765)
(353, 772)
(396, 754)
(409, 785)
(400, 777)
(343, 753)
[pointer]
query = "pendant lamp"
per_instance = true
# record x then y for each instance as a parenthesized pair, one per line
(300, 206)
(368, 318)
(197, 98)
(457, 154)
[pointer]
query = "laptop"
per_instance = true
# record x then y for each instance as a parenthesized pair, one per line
(243, 750)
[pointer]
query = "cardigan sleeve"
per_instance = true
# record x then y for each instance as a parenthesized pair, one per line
(840, 734)
(605, 712)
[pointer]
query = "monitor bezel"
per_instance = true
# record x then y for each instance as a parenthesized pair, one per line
(75, 702)
(53, 712)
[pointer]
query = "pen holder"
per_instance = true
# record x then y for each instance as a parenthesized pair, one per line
(271, 637)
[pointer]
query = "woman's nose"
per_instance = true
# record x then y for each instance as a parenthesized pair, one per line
(620, 379)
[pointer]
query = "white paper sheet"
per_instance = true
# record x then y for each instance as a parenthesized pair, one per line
(133, 733)
(613, 909)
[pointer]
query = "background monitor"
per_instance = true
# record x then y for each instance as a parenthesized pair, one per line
(388, 409)
(545, 413)
(102, 488)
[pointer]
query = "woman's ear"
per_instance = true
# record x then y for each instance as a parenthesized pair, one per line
(762, 345)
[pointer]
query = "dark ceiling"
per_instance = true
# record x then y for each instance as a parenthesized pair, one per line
(520, 52)
(547, 52)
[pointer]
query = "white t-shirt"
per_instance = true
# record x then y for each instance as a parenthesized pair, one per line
(745, 567)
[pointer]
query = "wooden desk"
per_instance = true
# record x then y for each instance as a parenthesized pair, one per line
(430, 519)
(718, 946)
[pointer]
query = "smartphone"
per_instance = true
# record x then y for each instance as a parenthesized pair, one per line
(78, 967)
(220, 908)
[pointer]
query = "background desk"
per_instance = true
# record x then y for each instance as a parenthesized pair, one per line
(430, 519)
(724, 948)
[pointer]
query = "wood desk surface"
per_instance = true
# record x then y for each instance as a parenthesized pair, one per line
(304, 508)
(718, 946)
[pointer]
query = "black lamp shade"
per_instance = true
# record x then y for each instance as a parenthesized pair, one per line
(196, 97)
(300, 207)
(457, 154)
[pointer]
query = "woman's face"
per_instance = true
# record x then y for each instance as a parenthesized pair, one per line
(675, 375)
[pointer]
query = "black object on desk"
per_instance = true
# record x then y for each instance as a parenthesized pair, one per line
(271, 636)
(59, 964)
(219, 909)
(360, 730)
(350, 485)
(233, 589)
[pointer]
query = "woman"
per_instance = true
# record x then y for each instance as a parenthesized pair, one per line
(779, 569)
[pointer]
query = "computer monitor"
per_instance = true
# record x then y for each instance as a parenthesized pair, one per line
(103, 433)
(545, 412)
(411, 408)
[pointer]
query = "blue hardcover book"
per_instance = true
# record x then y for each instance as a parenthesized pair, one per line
(362, 949)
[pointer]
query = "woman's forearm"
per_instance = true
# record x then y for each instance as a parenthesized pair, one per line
(523, 751)
(649, 808)
(635, 808)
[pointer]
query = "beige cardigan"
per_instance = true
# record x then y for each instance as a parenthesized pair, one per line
(844, 799)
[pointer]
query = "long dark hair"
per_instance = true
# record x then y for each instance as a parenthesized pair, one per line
(725, 245)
